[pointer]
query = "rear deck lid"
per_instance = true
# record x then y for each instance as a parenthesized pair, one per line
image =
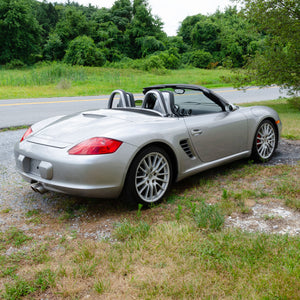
(76, 128)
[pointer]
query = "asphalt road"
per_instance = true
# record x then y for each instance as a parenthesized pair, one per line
(16, 112)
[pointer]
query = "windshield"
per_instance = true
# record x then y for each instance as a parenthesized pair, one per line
(193, 101)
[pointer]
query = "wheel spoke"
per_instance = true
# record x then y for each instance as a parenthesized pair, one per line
(143, 187)
(161, 167)
(155, 188)
(147, 191)
(144, 170)
(141, 183)
(155, 163)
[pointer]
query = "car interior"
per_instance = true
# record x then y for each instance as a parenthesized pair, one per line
(169, 102)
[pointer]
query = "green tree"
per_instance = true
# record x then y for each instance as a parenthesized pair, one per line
(20, 33)
(107, 35)
(279, 61)
(47, 16)
(187, 26)
(227, 36)
(122, 14)
(204, 35)
(73, 23)
(53, 48)
(111, 40)
(237, 38)
(143, 24)
(150, 44)
(176, 42)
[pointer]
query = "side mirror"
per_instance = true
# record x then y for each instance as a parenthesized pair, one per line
(232, 107)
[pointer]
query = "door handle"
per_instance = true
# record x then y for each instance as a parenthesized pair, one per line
(196, 132)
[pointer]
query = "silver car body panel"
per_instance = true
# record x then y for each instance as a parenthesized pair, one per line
(197, 143)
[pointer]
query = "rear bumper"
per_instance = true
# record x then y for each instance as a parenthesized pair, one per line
(99, 176)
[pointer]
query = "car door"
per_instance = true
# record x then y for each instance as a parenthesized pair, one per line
(217, 135)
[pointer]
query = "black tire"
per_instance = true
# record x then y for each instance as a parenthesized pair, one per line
(265, 141)
(149, 177)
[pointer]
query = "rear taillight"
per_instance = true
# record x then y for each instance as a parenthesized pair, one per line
(26, 134)
(95, 146)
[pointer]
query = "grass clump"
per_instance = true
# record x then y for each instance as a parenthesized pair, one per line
(18, 289)
(33, 216)
(208, 216)
(14, 236)
(21, 287)
(127, 231)
(101, 286)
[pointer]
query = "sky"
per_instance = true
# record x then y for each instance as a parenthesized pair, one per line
(171, 12)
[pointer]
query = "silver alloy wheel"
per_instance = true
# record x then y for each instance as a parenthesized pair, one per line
(152, 177)
(265, 140)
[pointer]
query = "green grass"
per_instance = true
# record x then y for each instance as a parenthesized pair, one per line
(179, 249)
(20, 287)
(101, 286)
(58, 79)
(14, 236)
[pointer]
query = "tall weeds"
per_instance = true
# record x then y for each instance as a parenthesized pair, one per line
(45, 74)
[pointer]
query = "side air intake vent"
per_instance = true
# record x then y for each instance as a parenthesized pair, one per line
(186, 148)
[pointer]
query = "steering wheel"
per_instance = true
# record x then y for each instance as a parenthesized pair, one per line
(181, 111)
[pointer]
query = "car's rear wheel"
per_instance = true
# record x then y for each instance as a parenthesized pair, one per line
(265, 141)
(149, 177)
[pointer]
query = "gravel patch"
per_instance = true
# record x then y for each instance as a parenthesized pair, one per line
(267, 218)
(288, 152)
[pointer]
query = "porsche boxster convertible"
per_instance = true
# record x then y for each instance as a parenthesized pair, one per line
(139, 148)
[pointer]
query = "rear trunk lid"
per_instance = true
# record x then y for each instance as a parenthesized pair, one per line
(73, 129)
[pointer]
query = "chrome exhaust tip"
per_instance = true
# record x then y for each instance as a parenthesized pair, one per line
(38, 188)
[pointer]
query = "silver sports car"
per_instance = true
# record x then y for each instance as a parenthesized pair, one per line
(138, 151)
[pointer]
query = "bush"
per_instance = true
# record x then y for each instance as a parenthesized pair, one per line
(15, 64)
(83, 51)
(124, 63)
(153, 62)
(200, 59)
(170, 59)
(160, 61)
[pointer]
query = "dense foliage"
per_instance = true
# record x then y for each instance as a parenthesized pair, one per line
(31, 31)
(278, 60)
(20, 32)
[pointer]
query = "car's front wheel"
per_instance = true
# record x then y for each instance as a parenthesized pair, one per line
(149, 177)
(265, 141)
